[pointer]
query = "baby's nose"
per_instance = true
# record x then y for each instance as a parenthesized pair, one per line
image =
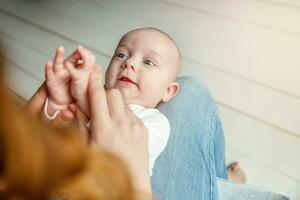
(128, 65)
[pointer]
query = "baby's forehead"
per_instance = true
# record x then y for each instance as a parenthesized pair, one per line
(154, 40)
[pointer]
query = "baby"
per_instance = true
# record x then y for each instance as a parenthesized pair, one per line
(143, 68)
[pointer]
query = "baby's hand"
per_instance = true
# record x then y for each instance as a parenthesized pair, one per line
(58, 83)
(80, 65)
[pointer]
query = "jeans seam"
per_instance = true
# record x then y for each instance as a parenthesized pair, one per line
(211, 153)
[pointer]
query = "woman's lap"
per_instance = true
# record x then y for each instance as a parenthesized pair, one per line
(194, 157)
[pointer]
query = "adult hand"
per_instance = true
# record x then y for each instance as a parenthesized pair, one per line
(36, 103)
(115, 128)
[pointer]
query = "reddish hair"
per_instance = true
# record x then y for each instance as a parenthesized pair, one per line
(38, 161)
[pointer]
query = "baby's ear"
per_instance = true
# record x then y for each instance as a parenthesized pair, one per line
(172, 90)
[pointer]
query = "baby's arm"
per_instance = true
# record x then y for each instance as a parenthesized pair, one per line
(58, 83)
(80, 65)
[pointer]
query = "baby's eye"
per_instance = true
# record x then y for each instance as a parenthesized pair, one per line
(149, 62)
(121, 55)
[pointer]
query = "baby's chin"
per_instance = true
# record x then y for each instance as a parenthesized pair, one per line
(130, 96)
(127, 96)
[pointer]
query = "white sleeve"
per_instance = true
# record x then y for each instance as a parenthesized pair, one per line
(159, 130)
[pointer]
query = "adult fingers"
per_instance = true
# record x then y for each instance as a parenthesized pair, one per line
(36, 102)
(59, 58)
(97, 98)
(130, 115)
(116, 105)
(81, 122)
(136, 122)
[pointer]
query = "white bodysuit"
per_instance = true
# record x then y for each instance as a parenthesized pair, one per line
(158, 127)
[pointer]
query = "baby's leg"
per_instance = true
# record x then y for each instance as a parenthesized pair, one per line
(194, 157)
(236, 173)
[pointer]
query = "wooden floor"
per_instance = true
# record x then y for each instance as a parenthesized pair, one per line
(246, 51)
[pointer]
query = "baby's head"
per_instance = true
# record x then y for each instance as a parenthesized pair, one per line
(144, 67)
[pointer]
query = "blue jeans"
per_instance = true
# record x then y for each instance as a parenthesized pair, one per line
(194, 157)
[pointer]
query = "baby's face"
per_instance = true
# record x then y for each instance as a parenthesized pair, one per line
(143, 66)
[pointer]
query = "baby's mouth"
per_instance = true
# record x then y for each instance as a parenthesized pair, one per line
(126, 79)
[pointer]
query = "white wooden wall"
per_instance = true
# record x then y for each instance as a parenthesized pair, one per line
(246, 51)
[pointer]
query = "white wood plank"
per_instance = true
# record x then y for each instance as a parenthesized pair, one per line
(20, 81)
(36, 39)
(260, 13)
(291, 3)
(258, 105)
(24, 57)
(270, 107)
(259, 174)
(60, 24)
(268, 145)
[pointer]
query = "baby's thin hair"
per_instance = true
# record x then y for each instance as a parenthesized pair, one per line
(164, 33)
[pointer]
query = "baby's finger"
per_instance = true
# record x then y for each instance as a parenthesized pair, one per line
(49, 73)
(88, 57)
(97, 98)
(71, 69)
(59, 58)
(74, 57)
